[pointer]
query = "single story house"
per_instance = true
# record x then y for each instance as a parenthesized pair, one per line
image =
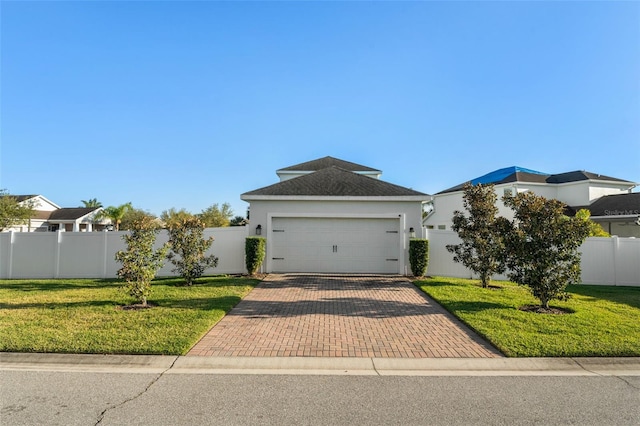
(617, 214)
(329, 215)
(49, 216)
(577, 189)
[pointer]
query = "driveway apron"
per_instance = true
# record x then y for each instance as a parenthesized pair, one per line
(295, 315)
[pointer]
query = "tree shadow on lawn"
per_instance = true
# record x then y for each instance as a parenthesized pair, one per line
(472, 307)
(57, 285)
(225, 303)
(623, 295)
(213, 282)
(59, 305)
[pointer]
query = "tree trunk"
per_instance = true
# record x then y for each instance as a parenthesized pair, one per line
(486, 280)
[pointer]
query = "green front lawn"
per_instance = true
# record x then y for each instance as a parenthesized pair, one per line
(85, 316)
(604, 320)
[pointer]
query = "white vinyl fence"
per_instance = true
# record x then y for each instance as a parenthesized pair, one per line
(605, 261)
(92, 254)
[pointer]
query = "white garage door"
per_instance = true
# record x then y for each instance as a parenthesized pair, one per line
(335, 245)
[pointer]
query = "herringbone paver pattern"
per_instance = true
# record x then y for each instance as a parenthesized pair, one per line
(340, 316)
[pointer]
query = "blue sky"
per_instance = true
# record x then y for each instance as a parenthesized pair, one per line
(187, 104)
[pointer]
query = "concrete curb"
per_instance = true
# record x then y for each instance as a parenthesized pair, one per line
(158, 364)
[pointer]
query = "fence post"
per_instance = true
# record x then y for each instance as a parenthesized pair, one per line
(56, 273)
(104, 253)
(616, 247)
(10, 260)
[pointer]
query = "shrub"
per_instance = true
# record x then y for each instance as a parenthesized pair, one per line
(542, 246)
(419, 256)
(255, 250)
(189, 248)
(482, 247)
(140, 262)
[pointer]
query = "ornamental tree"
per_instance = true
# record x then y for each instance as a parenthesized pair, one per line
(189, 248)
(481, 249)
(13, 212)
(542, 246)
(140, 261)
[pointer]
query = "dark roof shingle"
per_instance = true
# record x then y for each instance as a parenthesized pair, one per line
(71, 213)
(323, 163)
(613, 205)
(334, 181)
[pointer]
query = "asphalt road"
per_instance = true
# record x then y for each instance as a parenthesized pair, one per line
(90, 398)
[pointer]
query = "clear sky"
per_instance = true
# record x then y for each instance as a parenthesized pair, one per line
(187, 104)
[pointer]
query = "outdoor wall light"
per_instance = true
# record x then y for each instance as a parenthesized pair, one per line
(259, 230)
(412, 232)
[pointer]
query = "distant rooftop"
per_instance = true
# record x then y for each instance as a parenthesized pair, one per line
(521, 174)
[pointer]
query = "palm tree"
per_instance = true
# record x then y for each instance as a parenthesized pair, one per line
(93, 202)
(116, 213)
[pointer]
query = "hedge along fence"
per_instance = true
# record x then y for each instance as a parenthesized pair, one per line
(418, 256)
(255, 250)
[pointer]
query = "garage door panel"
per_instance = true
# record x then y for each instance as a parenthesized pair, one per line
(335, 245)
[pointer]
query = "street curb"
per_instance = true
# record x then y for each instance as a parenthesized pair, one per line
(158, 364)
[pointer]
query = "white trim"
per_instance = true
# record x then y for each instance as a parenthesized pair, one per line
(424, 197)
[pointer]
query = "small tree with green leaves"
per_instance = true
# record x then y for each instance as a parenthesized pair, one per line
(238, 221)
(174, 217)
(481, 249)
(595, 229)
(189, 248)
(13, 212)
(418, 256)
(133, 215)
(254, 251)
(140, 261)
(542, 246)
(216, 216)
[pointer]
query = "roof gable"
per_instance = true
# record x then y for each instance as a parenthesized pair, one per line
(323, 163)
(332, 182)
(72, 213)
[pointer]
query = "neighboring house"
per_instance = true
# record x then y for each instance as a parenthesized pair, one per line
(49, 216)
(577, 190)
(330, 215)
(618, 214)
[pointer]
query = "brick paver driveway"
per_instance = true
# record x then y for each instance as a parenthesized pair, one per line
(340, 316)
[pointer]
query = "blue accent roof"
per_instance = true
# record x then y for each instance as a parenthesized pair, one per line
(498, 175)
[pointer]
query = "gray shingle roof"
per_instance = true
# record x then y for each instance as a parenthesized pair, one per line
(71, 213)
(334, 181)
(323, 163)
(517, 174)
(613, 205)
(579, 175)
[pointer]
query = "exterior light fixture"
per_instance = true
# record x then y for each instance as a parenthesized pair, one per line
(259, 230)
(412, 232)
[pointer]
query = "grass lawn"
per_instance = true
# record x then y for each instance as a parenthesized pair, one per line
(604, 320)
(85, 316)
